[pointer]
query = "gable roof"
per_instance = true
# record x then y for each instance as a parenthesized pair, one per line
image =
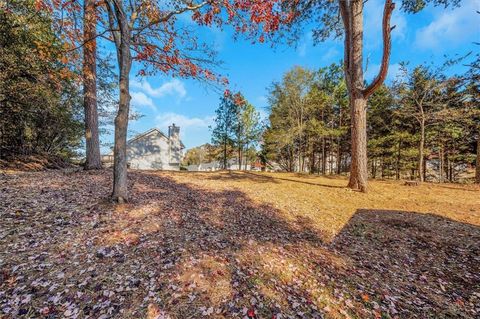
(150, 131)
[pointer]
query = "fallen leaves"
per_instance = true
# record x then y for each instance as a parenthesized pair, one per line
(205, 246)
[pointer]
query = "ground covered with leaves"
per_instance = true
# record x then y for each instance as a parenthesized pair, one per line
(235, 245)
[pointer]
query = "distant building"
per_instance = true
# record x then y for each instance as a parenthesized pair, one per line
(153, 150)
(232, 164)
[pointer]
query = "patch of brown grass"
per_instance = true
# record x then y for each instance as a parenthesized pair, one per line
(329, 204)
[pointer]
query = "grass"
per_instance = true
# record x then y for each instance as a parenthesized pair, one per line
(234, 245)
(330, 205)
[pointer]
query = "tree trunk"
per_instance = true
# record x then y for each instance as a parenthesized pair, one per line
(383, 168)
(450, 169)
(352, 17)
(358, 170)
(339, 141)
(397, 164)
(120, 182)
(357, 101)
(92, 141)
(239, 158)
(424, 169)
(440, 165)
(312, 158)
(225, 153)
(324, 156)
(246, 155)
(339, 157)
(374, 169)
(421, 147)
(477, 166)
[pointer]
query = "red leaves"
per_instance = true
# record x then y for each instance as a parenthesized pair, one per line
(238, 99)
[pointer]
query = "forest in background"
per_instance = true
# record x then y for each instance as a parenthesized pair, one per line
(424, 125)
(423, 118)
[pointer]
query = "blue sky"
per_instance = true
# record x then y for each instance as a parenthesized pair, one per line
(425, 37)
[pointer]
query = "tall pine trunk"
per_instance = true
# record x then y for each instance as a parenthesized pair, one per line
(225, 152)
(477, 166)
(339, 146)
(92, 141)
(421, 149)
(357, 100)
(352, 17)
(397, 162)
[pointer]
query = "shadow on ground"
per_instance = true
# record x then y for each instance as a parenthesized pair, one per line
(263, 178)
(183, 252)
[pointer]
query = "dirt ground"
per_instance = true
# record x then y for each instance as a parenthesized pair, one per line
(236, 245)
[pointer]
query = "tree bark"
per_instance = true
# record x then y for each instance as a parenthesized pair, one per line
(477, 166)
(120, 191)
(357, 101)
(324, 156)
(441, 164)
(421, 147)
(339, 146)
(92, 140)
(397, 164)
(352, 17)
(122, 42)
(358, 170)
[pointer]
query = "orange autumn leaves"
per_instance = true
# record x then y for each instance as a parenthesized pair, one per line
(161, 45)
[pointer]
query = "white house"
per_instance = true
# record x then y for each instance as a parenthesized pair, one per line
(153, 150)
(232, 164)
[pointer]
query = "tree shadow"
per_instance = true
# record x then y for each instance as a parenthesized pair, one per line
(264, 178)
(472, 189)
(304, 182)
(417, 265)
(235, 176)
(188, 252)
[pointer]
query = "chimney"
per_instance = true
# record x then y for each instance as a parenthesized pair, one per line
(174, 132)
(175, 147)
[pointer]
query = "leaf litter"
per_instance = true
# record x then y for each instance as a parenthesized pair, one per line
(234, 245)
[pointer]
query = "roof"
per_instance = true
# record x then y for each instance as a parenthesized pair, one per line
(150, 131)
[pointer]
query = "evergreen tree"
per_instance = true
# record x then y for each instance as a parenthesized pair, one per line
(225, 126)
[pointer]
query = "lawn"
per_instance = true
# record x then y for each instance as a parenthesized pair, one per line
(236, 245)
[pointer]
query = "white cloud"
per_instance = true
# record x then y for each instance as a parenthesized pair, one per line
(193, 130)
(373, 24)
(305, 42)
(165, 119)
(451, 27)
(173, 87)
(372, 71)
(331, 54)
(263, 100)
(140, 99)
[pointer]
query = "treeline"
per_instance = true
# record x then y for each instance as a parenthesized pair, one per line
(40, 103)
(424, 126)
(205, 153)
(236, 130)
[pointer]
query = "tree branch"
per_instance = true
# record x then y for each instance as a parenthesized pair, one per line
(166, 17)
(387, 44)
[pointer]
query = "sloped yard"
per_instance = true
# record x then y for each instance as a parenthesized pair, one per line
(236, 245)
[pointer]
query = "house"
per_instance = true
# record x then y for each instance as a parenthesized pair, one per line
(153, 150)
(232, 164)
